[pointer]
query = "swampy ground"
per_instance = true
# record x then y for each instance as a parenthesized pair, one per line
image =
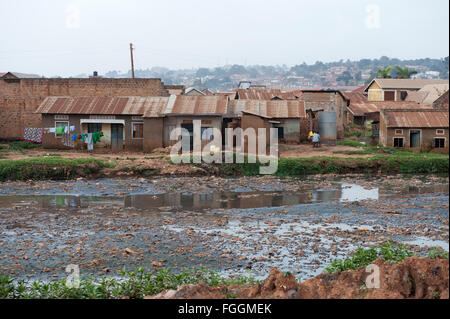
(236, 226)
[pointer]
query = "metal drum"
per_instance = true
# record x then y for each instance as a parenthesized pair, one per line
(327, 127)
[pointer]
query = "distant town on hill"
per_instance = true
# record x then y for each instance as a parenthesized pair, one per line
(341, 74)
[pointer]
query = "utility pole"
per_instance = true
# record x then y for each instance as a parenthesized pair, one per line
(132, 63)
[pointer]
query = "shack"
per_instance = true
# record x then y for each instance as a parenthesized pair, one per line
(415, 129)
(120, 119)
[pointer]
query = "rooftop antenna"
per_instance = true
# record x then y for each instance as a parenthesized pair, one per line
(132, 63)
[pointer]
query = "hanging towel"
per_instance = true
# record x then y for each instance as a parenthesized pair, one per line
(67, 140)
(52, 130)
(72, 128)
(60, 130)
(96, 137)
(32, 134)
(74, 137)
(89, 142)
(66, 130)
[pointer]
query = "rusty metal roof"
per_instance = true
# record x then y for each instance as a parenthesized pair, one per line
(416, 118)
(199, 104)
(361, 108)
(272, 109)
(230, 94)
(126, 105)
(258, 94)
(356, 96)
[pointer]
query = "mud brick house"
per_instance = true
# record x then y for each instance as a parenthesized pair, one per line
(119, 118)
(327, 101)
(181, 112)
(20, 96)
(415, 129)
(362, 111)
(285, 115)
(145, 123)
(396, 89)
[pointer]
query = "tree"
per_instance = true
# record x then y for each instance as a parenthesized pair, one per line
(385, 73)
(345, 77)
(403, 73)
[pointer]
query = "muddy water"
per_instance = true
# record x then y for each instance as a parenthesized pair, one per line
(236, 226)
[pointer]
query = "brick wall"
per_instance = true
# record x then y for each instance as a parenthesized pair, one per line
(19, 98)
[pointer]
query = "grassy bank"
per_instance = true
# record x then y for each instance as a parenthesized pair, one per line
(386, 164)
(49, 168)
(137, 284)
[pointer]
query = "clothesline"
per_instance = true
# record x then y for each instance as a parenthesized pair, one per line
(36, 135)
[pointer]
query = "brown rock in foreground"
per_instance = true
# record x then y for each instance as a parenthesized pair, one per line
(415, 278)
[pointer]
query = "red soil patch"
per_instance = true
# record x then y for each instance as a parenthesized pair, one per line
(415, 278)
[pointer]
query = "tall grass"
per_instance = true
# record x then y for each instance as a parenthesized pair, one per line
(49, 168)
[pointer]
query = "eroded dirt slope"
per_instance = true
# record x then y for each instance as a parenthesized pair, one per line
(415, 278)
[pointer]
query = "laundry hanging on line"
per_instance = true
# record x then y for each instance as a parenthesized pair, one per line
(67, 140)
(33, 134)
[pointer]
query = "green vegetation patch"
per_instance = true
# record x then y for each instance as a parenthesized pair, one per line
(364, 257)
(22, 145)
(136, 284)
(49, 168)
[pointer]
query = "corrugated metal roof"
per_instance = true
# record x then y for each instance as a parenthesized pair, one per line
(356, 96)
(230, 94)
(200, 104)
(127, 105)
(272, 109)
(424, 119)
(413, 84)
(258, 94)
(361, 108)
(21, 75)
(428, 94)
(175, 105)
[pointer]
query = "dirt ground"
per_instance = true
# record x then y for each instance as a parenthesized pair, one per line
(415, 278)
(158, 162)
(285, 151)
(306, 151)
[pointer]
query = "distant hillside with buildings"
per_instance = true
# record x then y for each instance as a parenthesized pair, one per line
(340, 74)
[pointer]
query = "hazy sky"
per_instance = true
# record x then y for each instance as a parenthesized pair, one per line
(57, 37)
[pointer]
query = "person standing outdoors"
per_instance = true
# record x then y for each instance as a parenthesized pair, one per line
(316, 139)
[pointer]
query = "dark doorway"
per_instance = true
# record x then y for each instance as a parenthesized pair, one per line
(414, 139)
(116, 137)
(190, 129)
